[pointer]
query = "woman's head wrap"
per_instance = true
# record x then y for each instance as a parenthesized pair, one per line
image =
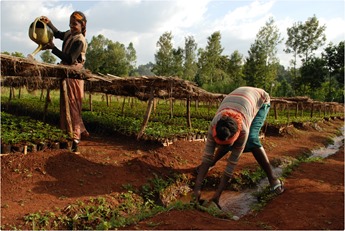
(80, 17)
(228, 127)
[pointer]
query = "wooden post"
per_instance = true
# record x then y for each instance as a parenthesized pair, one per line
(147, 115)
(19, 92)
(275, 111)
(189, 121)
(90, 101)
(155, 102)
(46, 104)
(320, 109)
(64, 105)
(312, 110)
(11, 93)
(42, 93)
(171, 102)
(288, 112)
(123, 105)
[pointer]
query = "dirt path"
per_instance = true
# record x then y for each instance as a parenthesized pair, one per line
(51, 179)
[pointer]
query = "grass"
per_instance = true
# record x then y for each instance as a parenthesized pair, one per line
(126, 118)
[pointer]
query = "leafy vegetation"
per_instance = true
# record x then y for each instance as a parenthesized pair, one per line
(126, 118)
(318, 77)
(100, 213)
(23, 129)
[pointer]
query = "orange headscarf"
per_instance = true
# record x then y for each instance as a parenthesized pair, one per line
(238, 118)
(80, 17)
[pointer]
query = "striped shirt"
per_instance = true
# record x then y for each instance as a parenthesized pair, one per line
(246, 101)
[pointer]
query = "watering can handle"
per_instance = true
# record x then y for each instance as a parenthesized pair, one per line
(34, 35)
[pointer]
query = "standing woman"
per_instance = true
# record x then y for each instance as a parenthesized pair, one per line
(73, 53)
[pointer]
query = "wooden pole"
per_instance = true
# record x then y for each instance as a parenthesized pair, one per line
(123, 105)
(42, 93)
(147, 115)
(64, 105)
(288, 112)
(312, 110)
(189, 121)
(19, 92)
(171, 102)
(90, 101)
(275, 111)
(47, 101)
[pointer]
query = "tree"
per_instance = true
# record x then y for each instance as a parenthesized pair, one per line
(131, 55)
(145, 69)
(177, 63)
(235, 70)
(190, 63)
(47, 57)
(262, 68)
(282, 86)
(108, 57)
(334, 57)
(313, 74)
(284, 89)
(16, 54)
(164, 56)
(313, 37)
(305, 38)
(116, 62)
(95, 55)
(209, 57)
(255, 66)
(293, 43)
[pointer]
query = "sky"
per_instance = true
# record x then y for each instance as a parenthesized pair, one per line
(143, 22)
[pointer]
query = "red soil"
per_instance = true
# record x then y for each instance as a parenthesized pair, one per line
(44, 180)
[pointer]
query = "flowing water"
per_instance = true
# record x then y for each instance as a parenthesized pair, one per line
(240, 203)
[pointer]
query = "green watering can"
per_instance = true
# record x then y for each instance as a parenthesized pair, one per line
(40, 33)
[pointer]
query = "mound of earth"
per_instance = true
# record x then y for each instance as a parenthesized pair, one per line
(49, 179)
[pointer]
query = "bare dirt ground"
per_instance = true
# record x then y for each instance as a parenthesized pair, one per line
(44, 180)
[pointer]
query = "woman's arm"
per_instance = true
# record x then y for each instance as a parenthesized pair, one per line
(69, 58)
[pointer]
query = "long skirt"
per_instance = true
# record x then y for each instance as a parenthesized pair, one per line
(75, 92)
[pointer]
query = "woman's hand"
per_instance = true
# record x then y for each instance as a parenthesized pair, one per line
(45, 19)
(48, 46)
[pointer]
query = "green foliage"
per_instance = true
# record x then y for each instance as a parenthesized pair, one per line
(126, 118)
(190, 64)
(211, 69)
(145, 70)
(334, 57)
(106, 56)
(47, 57)
(262, 64)
(221, 73)
(164, 56)
(304, 38)
(23, 129)
(16, 54)
(117, 211)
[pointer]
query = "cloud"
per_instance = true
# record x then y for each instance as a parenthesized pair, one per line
(143, 22)
(16, 17)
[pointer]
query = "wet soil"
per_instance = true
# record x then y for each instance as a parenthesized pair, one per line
(50, 179)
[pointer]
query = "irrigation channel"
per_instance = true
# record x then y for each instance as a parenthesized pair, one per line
(240, 203)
